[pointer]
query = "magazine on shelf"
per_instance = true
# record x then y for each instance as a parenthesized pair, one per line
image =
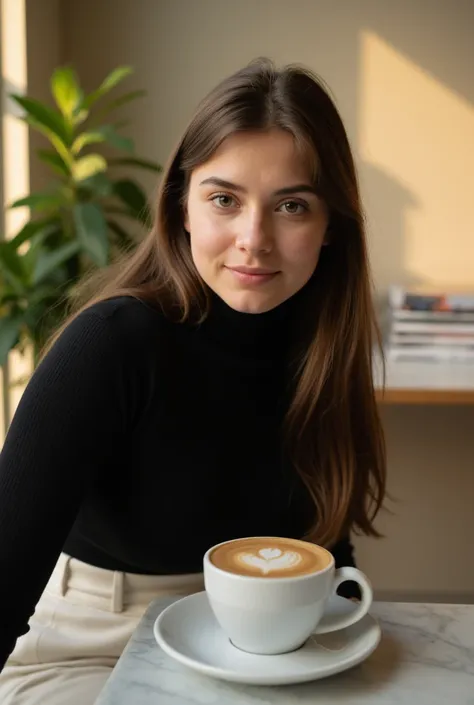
(439, 327)
(429, 353)
(430, 339)
(431, 299)
(432, 316)
(430, 324)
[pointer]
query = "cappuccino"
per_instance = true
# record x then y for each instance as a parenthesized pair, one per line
(270, 557)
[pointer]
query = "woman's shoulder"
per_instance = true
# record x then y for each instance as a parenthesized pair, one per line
(123, 327)
(118, 346)
(124, 310)
(127, 317)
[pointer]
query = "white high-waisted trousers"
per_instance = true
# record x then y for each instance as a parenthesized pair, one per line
(81, 625)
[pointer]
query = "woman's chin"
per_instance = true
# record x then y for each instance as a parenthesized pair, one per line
(249, 302)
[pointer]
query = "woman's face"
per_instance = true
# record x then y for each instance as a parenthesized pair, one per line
(256, 225)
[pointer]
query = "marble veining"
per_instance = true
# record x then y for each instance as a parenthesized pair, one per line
(426, 657)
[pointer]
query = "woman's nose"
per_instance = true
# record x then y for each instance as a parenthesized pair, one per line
(255, 235)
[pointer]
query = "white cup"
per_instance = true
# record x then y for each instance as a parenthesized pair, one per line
(277, 615)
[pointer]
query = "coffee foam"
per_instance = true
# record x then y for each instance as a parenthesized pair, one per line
(270, 557)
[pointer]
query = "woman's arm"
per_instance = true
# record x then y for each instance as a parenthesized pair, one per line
(69, 422)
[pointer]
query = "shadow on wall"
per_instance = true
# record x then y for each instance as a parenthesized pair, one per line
(436, 36)
(387, 201)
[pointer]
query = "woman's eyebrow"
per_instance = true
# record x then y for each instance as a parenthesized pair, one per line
(286, 191)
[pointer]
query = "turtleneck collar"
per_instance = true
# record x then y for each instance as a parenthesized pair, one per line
(256, 336)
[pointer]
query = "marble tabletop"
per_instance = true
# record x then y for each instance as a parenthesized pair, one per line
(425, 657)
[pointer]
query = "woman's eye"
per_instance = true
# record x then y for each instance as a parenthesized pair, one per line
(294, 207)
(222, 200)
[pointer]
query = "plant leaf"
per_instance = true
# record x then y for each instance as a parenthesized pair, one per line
(39, 201)
(115, 77)
(30, 257)
(57, 143)
(88, 166)
(118, 102)
(121, 123)
(125, 98)
(54, 160)
(42, 227)
(92, 232)
(48, 261)
(86, 138)
(45, 116)
(66, 91)
(15, 284)
(10, 327)
(80, 115)
(133, 161)
(10, 261)
(43, 292)
(116, 210)
(116, 140)
(133, 196)
(107, 84)
(98, 185)
(7, 295)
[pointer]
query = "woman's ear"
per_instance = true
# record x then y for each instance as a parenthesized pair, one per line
(186, 219)
(327, 237)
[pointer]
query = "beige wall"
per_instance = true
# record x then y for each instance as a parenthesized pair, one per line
(402, 77)
(43, 36)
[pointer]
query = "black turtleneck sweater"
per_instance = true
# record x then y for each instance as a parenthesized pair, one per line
(139, 443)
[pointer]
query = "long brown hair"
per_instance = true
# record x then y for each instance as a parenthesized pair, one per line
(333, 429)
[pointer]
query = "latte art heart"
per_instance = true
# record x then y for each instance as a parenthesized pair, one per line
(269, 553)
(270, 559)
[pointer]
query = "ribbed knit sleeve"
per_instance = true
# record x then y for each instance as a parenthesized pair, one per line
(69, 421)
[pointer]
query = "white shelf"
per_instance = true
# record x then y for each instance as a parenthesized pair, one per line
(420, 381)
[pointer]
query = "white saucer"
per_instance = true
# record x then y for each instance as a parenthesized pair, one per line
(188, 632)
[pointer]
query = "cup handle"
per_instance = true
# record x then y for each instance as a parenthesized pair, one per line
(332, 624)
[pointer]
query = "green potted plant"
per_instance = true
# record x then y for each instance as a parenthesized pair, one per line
(80, 222)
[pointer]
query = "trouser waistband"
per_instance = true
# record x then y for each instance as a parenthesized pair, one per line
(116, 591)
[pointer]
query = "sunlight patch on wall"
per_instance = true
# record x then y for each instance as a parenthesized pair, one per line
(15, 133)
(15, 162)
(418, 133)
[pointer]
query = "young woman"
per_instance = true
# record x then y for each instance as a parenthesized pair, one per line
(218, 385)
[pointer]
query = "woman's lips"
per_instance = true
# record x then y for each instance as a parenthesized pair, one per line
(255, 276)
